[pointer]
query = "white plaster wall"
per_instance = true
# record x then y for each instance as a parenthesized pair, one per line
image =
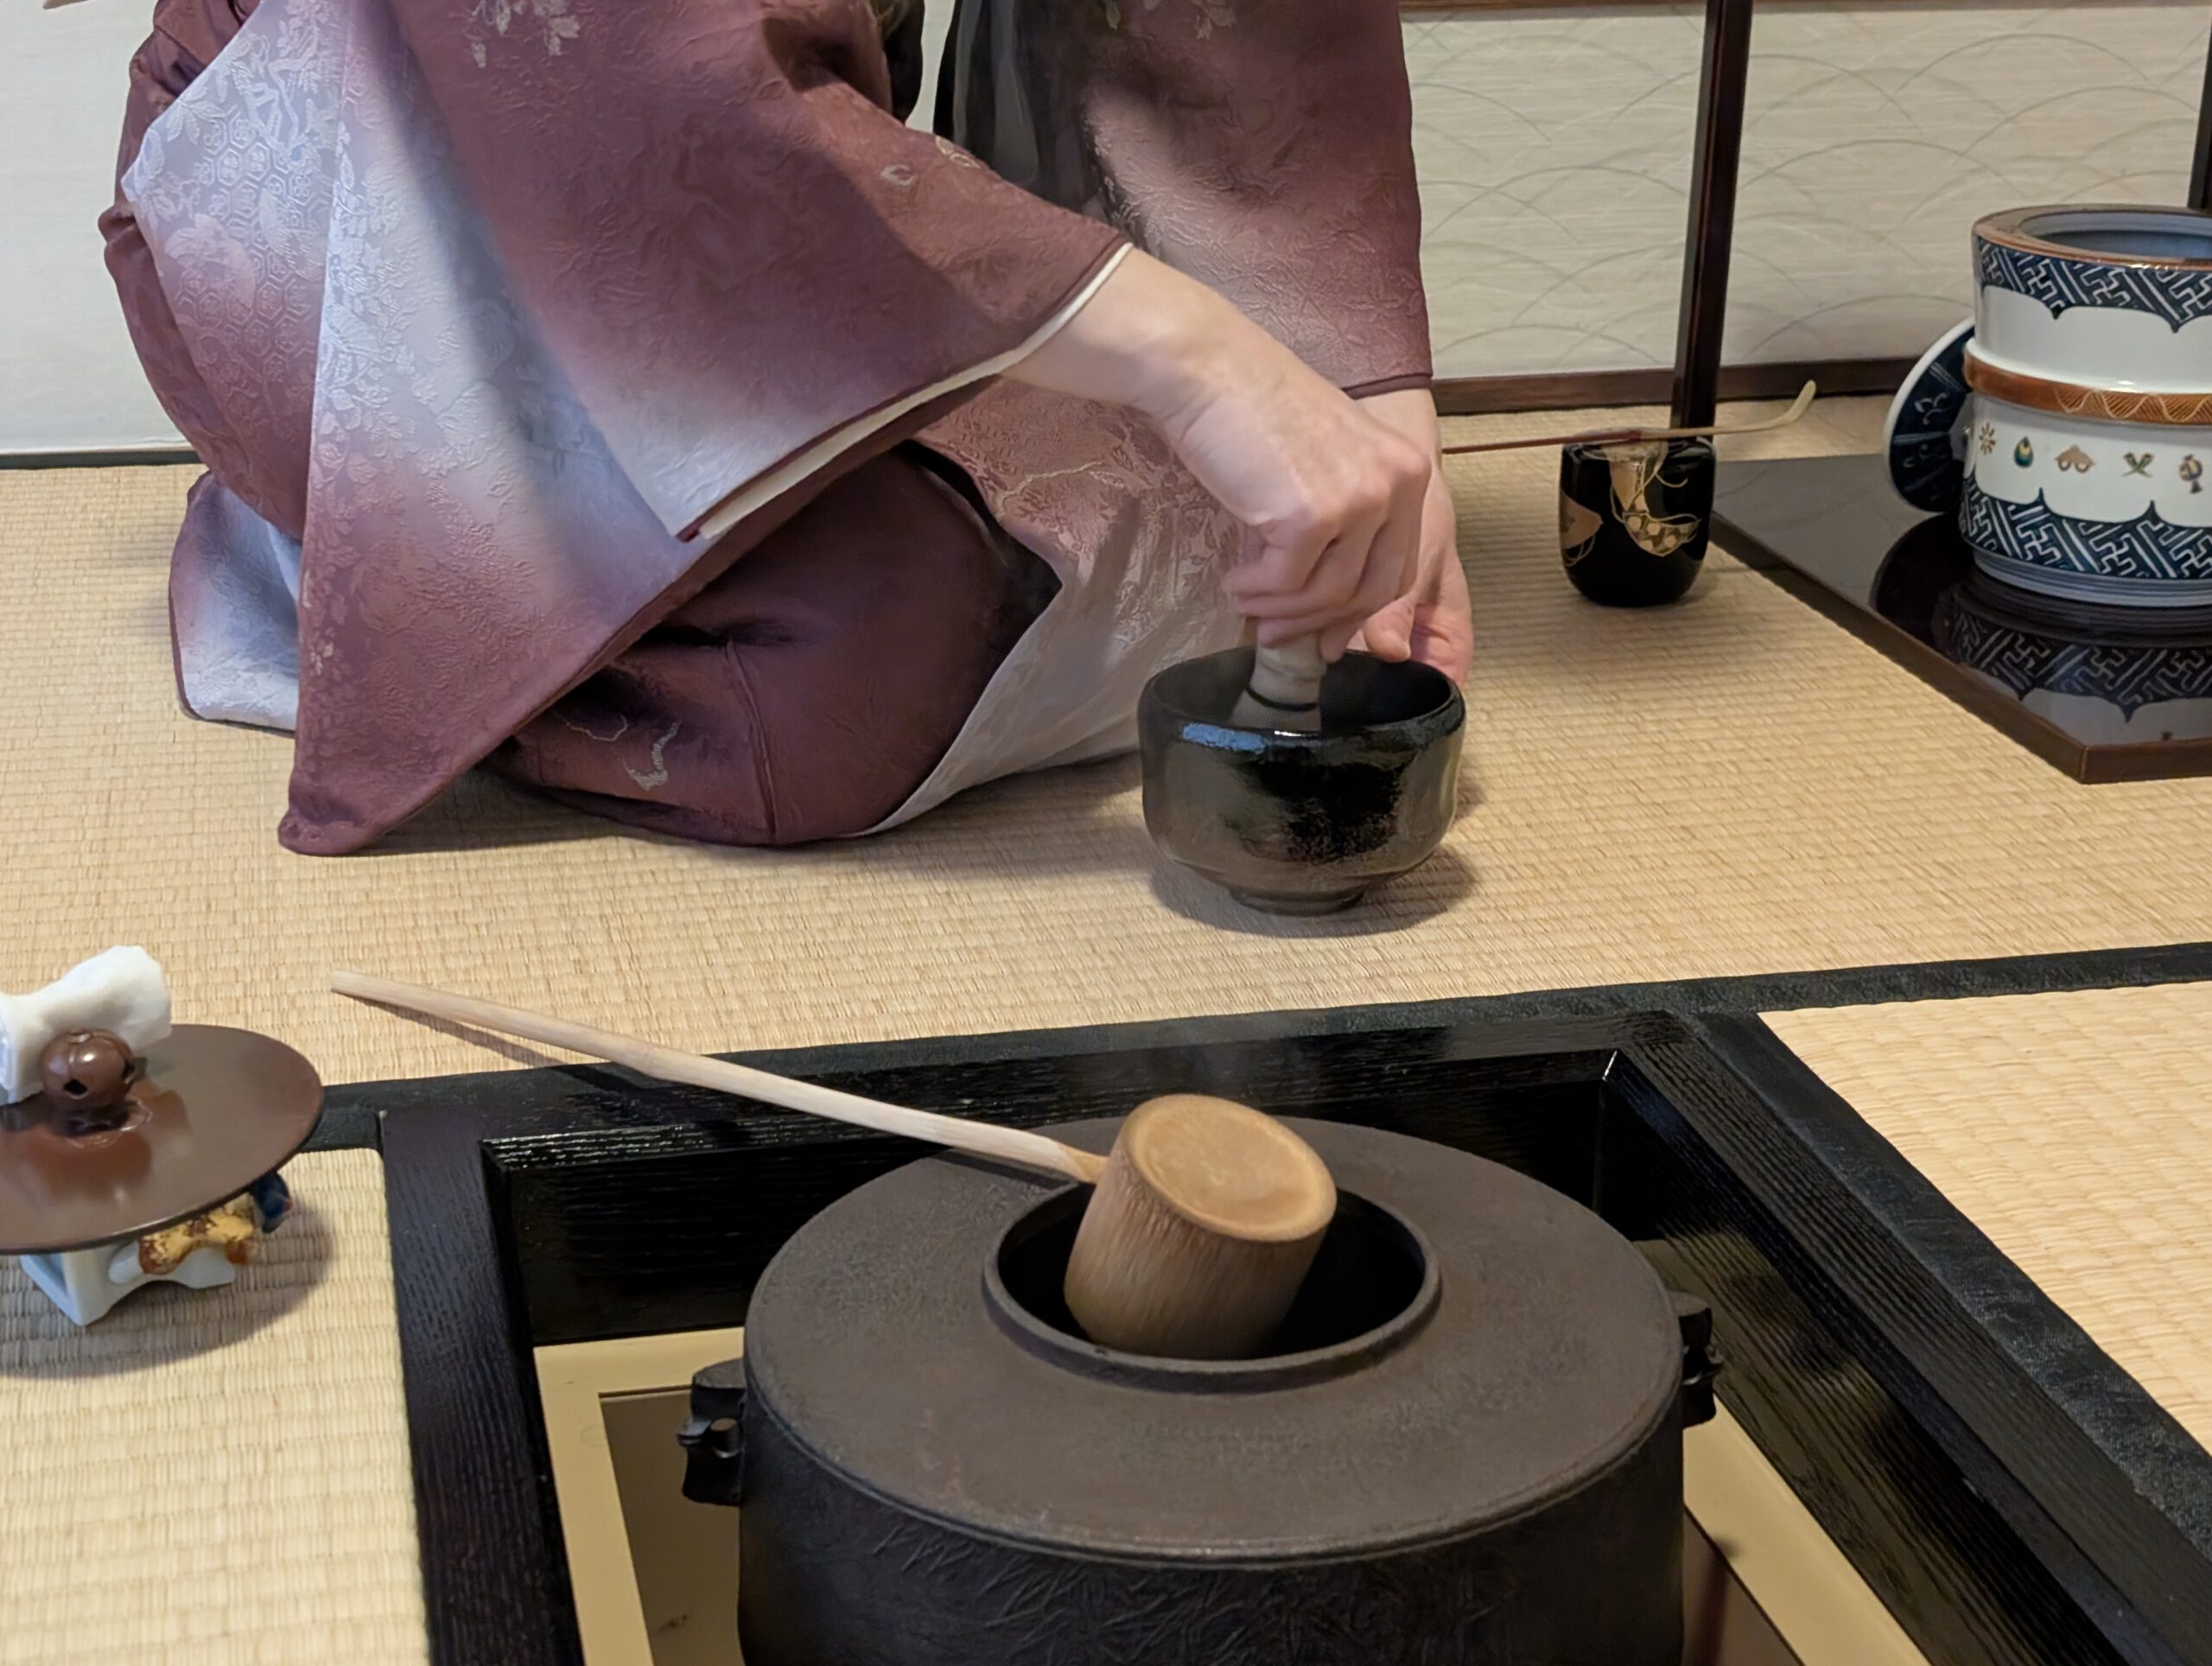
(1555, 152)
(69, 378)
(1555, 148)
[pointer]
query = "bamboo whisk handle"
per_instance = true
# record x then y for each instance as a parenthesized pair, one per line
(1284, 691)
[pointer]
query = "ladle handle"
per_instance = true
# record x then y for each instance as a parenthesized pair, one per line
(1012, 1145)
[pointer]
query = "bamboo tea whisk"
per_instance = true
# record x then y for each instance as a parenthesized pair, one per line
(1285, 689)
(1206, 1221)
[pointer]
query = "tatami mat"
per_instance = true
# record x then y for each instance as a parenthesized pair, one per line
(1730, 787)
(221, 1475)
(2075, 1131)
(1733, 786)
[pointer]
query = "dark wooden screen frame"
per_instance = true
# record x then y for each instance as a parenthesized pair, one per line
(1723, 81)
(1722, 88)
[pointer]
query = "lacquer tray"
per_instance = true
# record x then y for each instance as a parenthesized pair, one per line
(1910, 1385)
(2105, 694)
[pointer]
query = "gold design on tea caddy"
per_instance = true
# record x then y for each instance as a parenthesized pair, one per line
(1988, 439)
(1579, 526)
(2074, 460)
(1635, 469)
(2138, 462)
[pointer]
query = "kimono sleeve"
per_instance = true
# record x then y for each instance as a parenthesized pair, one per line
(743, 261)
(1262, 146)
(543, 313)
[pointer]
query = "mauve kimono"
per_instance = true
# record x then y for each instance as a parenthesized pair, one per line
(605, 390)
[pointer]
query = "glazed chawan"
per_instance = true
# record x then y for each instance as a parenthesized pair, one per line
(1634, 519)
(2100, 297)
(1301, 823)
(1465, 1449)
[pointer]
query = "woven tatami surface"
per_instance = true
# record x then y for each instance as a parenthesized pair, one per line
(217, 1475)
(2074, 1129)
(1733, 786)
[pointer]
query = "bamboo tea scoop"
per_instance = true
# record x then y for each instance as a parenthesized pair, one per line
(1206, 1221)
(1798, 407)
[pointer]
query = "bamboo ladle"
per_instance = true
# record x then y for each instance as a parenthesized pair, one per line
(1284, 691)
(1205, 1220)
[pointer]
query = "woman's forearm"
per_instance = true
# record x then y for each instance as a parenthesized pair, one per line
(1330, 492)
(1150, 339)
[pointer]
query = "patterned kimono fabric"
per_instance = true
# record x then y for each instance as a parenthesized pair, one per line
(605, 389)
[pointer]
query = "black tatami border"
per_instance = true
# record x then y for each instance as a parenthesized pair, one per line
(345, 1126)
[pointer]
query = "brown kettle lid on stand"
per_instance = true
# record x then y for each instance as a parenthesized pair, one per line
(212, 1111)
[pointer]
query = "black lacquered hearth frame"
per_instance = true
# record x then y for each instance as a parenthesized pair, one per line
(2005, 1488)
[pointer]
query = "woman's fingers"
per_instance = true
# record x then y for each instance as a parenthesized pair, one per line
(1379, 581)
(1329, 491)
(1283, 565)
(1331, 588)
(1389, 633)
(1259, 590)
(1335, 637)
(1336, 641)
(1316, 562)
(1432, 621)
(1444, 627)
(1396, 569)
(1374, 558)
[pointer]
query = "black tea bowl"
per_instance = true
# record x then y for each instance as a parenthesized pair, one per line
(1634, 519)
(1301, 823)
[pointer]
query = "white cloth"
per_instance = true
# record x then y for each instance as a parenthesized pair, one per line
(1139, 547)
(122, 992)
(238, 635)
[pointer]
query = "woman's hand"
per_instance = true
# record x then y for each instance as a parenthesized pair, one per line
(1434, 621)
(1335, 498)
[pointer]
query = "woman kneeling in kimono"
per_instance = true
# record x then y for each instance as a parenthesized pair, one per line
(622, 393)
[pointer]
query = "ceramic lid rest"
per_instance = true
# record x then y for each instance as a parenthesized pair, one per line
(217, 1108)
